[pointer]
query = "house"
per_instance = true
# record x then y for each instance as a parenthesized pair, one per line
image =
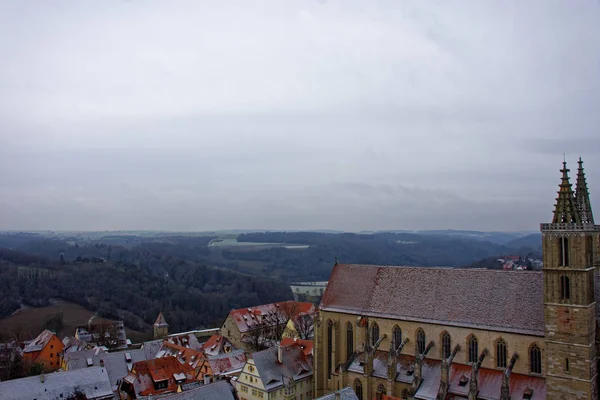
(277, 373)
(117, 364)
(217, 345)
(43, 350)
(108, 334)
(452, 333)
(89, 383)
(223, 365)
(155, 377)
(184, 355)
(259, 327)
(188, 340)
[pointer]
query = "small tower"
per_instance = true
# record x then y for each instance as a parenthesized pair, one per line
(161, 328)
(569, 245)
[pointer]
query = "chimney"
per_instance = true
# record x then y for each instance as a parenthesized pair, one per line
(338, 395)
(279, 353)
(42, 378)
(206, 379)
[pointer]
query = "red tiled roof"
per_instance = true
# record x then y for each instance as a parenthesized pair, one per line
(159, 369)
(305, 345)
(251, 318)
(476, 298)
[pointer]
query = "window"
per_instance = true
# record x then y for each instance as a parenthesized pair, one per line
(420, 341)
(254, 392)
(381, 389)
(51, 355)
(358, 389)
(445, 345)
(405, 394)
(329, 347)
(349, 340)
(397, 336)
(473, 350)
(251, 379)
(567, 367)
(374, 333)
(244, 389)
(565, 288)
(501, 354)
(563, 250)
(250, 368)
(535, 359)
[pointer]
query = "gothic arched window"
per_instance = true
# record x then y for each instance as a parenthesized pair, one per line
(535, 359)
(565, 288)
(501, 353)
(329, 347)
(358, 389)
(381, 389)
(445, 345)
(397, 336)
(349, 340)
(420, 341)
(473, 349)
(374, 333)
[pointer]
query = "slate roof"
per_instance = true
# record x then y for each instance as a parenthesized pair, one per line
(151, 348)
(220, 390)
(188, 340)
(116, 363)
(475, 298)
(345, 394)
(93, 382)
(160, 320)
(295, 365)
(39, 342)
(251, 318)
(73, 344)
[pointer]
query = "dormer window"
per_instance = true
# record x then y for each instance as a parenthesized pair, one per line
(410, 370)
(463, 380)
(527, 393)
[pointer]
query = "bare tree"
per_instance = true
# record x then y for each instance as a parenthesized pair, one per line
(305, 326)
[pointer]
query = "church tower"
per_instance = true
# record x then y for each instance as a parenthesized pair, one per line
(570, 252)
(161, 328)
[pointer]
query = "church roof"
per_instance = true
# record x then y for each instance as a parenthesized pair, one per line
(160, 320)
(565, 210)
(502, 301)
(582, 197)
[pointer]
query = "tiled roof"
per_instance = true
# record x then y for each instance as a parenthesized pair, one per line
(39, 342)
(225, 364)
(216, 345)
(220, 390)
(117, 364)
(147, 372)
(73, 344)
(93, 382)
(188, 340)
(344, 394)
(151, 348)
(183, 354)
(305, 345)
(251, 318)
(475, 298)
(295, 365)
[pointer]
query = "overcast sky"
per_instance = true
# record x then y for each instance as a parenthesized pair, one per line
(350, 115)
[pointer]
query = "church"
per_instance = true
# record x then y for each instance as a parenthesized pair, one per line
(452, 333)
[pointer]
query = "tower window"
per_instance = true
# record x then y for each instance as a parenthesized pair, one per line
(567, 367)
(397, 336)
(420, 341)
(381, 389)
(501, 354)
(535, 359)
(329, 348)
(473, 349)
(565, 288)
(563, 250)
(374, 333)
(445, 345)
(349, 340)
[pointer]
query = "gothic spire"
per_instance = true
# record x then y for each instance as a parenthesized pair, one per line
(565, 210)
(582, 197)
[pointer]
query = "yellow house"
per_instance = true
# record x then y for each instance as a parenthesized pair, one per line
(279, 373)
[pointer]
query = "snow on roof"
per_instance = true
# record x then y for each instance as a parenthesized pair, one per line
(93, 382)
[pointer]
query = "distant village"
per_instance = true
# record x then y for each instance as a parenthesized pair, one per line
(519, 263)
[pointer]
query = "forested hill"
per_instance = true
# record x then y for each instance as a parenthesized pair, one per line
(191, 295)
(197, 278)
